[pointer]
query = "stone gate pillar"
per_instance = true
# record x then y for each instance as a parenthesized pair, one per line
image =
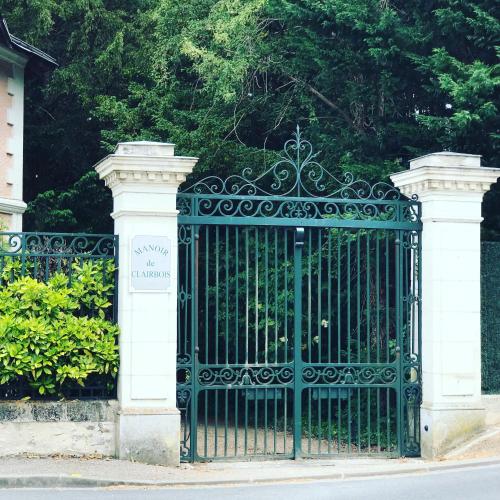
(144, 178)
(451, 188)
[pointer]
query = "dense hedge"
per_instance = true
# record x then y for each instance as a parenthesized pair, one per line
(490, 316)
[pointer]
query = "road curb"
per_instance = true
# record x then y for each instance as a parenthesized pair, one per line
(80, 481)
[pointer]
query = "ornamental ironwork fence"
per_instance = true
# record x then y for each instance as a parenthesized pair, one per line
(79, 258)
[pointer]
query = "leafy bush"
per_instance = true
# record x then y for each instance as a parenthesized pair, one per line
(58, 332)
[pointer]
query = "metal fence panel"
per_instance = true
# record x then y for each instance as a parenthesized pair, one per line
(41, 256)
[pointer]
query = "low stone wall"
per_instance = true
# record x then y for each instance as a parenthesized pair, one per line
(491, 403)
(76, 428)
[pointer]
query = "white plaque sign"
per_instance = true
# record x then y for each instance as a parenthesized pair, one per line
(150, 263)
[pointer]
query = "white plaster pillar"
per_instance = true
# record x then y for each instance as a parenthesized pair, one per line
(144, 178)
(451, 188)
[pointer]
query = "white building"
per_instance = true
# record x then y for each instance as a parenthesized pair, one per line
(16, 57)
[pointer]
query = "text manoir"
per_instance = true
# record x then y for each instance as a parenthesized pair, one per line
(151, 248)
(150, 273)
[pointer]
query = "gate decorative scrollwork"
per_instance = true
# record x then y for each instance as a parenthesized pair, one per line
(245, 375)
(350, 375)
(296, 173)
(297, 187)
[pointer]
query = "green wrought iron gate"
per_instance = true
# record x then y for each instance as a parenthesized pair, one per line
(298, 315)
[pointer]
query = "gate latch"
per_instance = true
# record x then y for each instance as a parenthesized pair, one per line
(299, 237)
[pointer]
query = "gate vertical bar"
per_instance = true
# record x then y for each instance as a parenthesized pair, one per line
(399, 340)
(417, 347)
(297, 342)
(195, 230)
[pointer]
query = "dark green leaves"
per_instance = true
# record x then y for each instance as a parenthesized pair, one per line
(372, 83)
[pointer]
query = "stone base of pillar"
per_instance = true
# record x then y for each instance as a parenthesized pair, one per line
(149, 435)
(444, 427)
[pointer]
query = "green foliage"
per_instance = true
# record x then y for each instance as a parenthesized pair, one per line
(371, 82)
(56, 333)
(79, 208)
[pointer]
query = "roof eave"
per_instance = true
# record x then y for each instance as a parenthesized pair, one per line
(32, 51)
(16, 44)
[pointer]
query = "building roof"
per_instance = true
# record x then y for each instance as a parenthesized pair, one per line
(35, 56)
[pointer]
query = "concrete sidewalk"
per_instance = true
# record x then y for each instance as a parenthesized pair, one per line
(72, 472)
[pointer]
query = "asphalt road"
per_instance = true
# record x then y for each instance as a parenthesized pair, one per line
(476, 483)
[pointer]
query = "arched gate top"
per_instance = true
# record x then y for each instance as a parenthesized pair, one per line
(296, 173)
(295, 189)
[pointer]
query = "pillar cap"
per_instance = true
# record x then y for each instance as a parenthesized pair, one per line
(145, 148)
(145, 163)
(446, 173)
(446, 159)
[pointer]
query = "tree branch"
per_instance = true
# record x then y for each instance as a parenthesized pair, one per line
(347, 118)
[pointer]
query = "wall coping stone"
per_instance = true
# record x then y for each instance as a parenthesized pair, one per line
(58, 411)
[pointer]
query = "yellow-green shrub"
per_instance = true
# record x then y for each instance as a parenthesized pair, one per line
(57, 332)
